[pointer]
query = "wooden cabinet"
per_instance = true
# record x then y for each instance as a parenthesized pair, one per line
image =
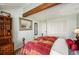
(6, 44)
(7, 49)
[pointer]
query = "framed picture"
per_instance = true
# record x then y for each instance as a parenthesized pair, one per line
(25, 24)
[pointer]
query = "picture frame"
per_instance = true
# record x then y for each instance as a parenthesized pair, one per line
(35, 28)
(25, 24)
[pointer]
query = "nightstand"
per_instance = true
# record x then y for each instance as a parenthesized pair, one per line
(77, 43)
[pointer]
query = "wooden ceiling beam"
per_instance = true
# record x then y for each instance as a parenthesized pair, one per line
(39, 8)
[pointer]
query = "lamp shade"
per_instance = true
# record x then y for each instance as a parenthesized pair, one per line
(76, 31)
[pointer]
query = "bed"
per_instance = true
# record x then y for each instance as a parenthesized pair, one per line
(43, 46)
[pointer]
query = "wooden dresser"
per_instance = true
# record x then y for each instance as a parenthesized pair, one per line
(6, 44)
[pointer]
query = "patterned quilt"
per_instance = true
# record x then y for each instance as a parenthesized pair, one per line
(35, 47)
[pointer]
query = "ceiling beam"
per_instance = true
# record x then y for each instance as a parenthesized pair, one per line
(39, 8)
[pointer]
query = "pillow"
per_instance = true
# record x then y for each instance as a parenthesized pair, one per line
(60, 46)
(74, 47)
(70, 42)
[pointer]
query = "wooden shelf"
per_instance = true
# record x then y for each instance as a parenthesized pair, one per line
(6, 37)
(6, 45)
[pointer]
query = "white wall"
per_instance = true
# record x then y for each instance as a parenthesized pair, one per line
(61, 20)
(61, 27)
(78, 21)
(27, 34)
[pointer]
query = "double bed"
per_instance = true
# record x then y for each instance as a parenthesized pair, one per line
(46, 45)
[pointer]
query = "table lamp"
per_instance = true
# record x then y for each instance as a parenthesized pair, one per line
(77, 33)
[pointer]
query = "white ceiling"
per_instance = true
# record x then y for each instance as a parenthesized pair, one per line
(61, 10)
(17, 5)
(10, 5)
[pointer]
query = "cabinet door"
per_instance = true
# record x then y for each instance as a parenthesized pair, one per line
(7, 26)
(1, 26)
(8, 49)
(7, 22)
(1, 51)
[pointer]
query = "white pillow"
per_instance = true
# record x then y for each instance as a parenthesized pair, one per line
(60, 46)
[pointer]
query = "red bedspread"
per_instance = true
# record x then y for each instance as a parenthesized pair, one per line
(36, 48)
(39, 46)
